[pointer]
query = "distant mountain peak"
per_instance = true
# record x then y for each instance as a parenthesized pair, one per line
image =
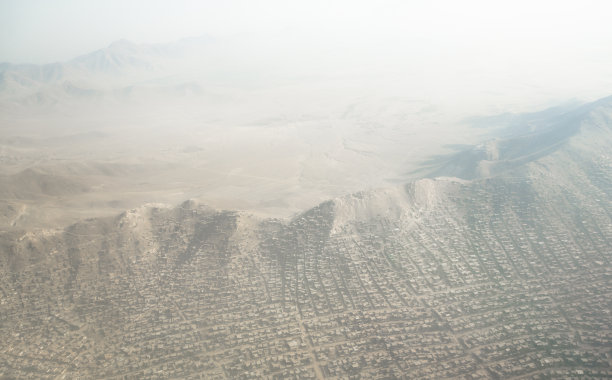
(123, 46)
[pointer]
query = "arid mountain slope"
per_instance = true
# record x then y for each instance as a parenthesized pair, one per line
(502, 276)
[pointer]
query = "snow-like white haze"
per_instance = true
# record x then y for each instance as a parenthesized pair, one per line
(557, 48)
(270, 106)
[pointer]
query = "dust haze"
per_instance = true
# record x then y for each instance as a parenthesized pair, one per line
(305, 190)
(274, 111)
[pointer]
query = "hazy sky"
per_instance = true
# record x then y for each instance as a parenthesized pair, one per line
(480, 51)
(42, 31)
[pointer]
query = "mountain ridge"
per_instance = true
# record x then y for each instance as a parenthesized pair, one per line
(120, 65)
(498, 156)
(502, 276)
